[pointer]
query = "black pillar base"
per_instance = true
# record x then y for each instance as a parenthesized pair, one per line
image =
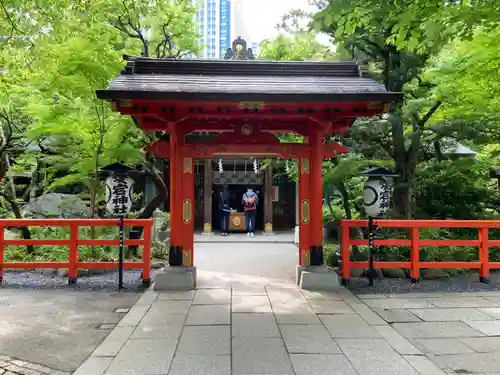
(175, 255)
(484, 280)
(316, 255)
(71, 280)
(413, 280)
(345, 281)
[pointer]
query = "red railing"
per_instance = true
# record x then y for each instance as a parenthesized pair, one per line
(415, 243)
(73, 263)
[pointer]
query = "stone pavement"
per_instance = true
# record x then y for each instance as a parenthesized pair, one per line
(250, 325)
(12, 366)
(56, 328)
(278, 237)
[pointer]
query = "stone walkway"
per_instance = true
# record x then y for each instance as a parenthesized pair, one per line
(12, 366)
(278, 237)
(248, 325)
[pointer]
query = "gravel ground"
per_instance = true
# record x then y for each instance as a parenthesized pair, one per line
(132, 283)
(462, 283)
(103, 282)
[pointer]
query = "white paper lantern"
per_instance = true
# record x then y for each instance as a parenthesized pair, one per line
(376, 196)
(119, 194)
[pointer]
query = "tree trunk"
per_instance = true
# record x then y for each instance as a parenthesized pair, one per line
(37, 179)
(16, 210)
(148, 211)
(358, 232)
(402, 199)
(345, 200)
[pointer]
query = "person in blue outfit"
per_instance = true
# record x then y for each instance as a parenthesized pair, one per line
(224, 211)
(250, 200)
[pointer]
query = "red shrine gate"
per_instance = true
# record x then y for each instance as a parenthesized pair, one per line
(247, 103)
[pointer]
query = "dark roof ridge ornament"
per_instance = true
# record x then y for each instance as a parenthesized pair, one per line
(239, 51)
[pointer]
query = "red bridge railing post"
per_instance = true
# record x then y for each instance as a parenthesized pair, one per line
(484, 271)
(146, 253)
(415, 254)
(2, 250)
(73, 253)
(345, 239)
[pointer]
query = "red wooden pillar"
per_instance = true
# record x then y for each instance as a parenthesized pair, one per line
(186, 196)
(174, 190)
(316, 194)
(304, 212)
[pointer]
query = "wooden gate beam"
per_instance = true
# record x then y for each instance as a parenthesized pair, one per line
(161, 149)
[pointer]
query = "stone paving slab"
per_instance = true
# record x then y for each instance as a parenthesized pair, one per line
(487, 327)
(251, 304)
(436, 330)
(94, 365)
(495, 299)
(212, 297)
(458, 302)
(307, 316)
(483, 344)
(397, 315)
(260, 356)
(144, 356)
(177, 296)
(423, 365)
(398, 342)
(442, 346)
(149, 329)
(205, 340)
(321, 364)
(330, 307)
(254, 325)
(254, 289)
(366, 313)
(114, 342)
(312, 339)
(311, 295)
(348, 326)
(134, 316)
(399, 303)
(374, 356)
(450, 314)
(204, 315)
(201, 365)
(471, 363)
(491, 311)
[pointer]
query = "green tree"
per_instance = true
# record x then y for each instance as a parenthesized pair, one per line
(163, 28)
(412, 25)
(455, 189)
(300, 47)
(466, 77)
(295, 41)
(399, 61)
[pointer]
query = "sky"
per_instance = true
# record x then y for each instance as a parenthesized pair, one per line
(263, 15)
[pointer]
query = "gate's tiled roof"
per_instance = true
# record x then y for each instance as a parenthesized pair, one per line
(168, 79)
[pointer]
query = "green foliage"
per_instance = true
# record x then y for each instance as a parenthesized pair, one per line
(85, 253)
(452, 189)
(301, 47)
(163, 28)
(48, 87)
(413, 24)
(466, 77)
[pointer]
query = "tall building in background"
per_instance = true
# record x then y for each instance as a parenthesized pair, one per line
(255, 49)
(213, 18)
